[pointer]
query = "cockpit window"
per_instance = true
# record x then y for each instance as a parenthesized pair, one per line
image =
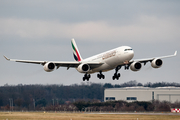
(127, 49)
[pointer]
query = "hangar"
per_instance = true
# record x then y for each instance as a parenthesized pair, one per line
(130, 94)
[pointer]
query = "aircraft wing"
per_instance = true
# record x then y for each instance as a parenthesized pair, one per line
(26, 61)
(151, 59)
(58, 64)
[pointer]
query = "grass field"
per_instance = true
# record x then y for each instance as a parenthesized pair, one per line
(81, 116)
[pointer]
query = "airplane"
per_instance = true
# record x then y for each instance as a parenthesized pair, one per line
(103, 62)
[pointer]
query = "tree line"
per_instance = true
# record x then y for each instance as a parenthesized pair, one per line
(73, 97)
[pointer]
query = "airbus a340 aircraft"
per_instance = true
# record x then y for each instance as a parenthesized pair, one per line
(112, 59)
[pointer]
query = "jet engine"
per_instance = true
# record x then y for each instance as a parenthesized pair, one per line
(49, 67)
(83, 68)
(135, 66)
(156, 63)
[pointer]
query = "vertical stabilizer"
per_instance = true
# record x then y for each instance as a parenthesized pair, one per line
(76, 53)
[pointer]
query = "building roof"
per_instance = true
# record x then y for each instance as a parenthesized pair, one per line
(145, 88)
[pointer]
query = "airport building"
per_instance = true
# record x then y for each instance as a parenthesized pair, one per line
(129, 94)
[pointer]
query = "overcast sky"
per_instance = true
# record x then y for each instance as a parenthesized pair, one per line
(42, 30)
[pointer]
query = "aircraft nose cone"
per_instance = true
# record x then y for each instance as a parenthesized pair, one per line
(131, 53)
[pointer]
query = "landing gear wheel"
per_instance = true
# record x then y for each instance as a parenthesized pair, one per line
(126, 67)
(103, 76)
(119, 75)
(89, 76)
(116, 74)
(100, 75)
(86, 77)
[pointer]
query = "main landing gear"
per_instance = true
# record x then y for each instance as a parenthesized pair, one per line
(100, 75)
(116, 74)
(86, 77)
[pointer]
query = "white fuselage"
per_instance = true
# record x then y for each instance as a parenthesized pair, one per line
(111, 59)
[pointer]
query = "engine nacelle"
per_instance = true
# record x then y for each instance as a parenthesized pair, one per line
(135, 66)
(49, 66)
(83, 68)
(156, 63)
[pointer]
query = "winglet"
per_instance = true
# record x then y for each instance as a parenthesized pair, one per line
(6, 58)
(175, 53)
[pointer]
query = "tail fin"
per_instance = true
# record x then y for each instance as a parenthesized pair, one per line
(76, 53)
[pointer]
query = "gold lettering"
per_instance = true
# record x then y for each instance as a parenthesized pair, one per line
(109, 54)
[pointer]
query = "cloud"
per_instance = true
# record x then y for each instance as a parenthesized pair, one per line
(143, 29)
